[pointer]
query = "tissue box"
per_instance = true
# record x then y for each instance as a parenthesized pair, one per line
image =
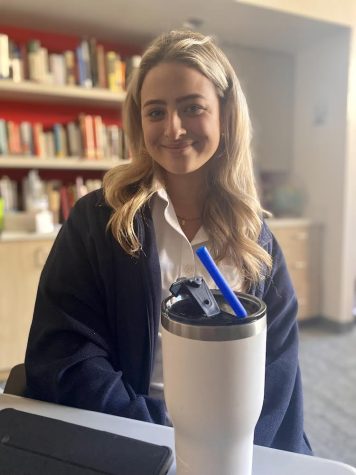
(21, 221)
(30, 222)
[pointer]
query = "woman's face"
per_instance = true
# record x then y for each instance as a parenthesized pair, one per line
(180, 117)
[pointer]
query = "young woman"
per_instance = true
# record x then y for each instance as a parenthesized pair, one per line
(95, 329)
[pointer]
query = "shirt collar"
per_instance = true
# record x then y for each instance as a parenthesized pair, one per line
(171, 217)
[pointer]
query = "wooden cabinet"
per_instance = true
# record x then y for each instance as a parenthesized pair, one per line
(300, 242)
(21, 265)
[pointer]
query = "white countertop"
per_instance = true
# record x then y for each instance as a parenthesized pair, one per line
(288, 222)
(266, 461)
(16, 236)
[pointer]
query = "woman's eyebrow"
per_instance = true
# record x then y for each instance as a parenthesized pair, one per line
(178, 100)
(154, 102)
(190, 97)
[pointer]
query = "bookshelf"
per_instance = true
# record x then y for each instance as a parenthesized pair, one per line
(60, 111)
(54, 163)
(55, 93)
(48, 104)
(31, 92)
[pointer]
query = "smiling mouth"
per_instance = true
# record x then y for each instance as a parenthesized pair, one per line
(178, 146)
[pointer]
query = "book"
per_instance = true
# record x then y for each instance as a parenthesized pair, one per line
(65, 208)
(114, 142)
(58, 68)
(101, 68)
(70, 67)
(16, 63)
(43, 63)
(24, 61)
(84, 68)
(87, 131)
(4, 57)
(38, 140)
(54, 199)
(105, 143)
(49, 148)
(60, 148)
(4, 148)
(93, 61)
(74, 140)
(111, 70)
(26, 138)
(14, 138)
(98, 137)
(34, 60)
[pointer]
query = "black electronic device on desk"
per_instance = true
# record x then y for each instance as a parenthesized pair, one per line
(36, 445)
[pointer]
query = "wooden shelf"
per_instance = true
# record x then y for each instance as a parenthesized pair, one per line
(69, 163)
(37, 92)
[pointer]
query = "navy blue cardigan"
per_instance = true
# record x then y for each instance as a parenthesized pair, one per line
(95, 324)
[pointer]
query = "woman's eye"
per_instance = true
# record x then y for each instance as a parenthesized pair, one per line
(194, 109)
(155, 114)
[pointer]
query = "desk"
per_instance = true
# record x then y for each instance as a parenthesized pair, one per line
(266, 461)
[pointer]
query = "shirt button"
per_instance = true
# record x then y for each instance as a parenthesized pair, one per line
(188, 269)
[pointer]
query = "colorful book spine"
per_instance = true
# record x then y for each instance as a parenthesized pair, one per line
(74, 140)
(64, 199)
(93, 61)
(4, 147)
(111, 69)
(98, 137)
(84, 68)
(14, 138)
(26, 138)
(100, 59)
(70, 68)
(38, 140)
(114, 141)
(54, 201)
(60, 145)
(49, 148)
(87, 131)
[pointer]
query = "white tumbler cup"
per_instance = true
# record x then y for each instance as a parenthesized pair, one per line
(214, 374)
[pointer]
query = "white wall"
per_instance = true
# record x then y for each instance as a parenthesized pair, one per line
(267, 79)
(321, 83)
(299, 106)
(349, 258)
(336, 11)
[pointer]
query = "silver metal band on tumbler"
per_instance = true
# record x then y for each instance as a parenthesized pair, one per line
(244, 328)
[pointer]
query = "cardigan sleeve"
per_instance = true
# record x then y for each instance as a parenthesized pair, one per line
(71, 356)
(281, 422)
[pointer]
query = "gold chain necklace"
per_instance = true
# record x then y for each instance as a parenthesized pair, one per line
(184, 221)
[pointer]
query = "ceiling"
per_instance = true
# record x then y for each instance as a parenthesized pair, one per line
(138, 21)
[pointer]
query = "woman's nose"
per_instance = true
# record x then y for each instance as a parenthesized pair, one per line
(174, 126)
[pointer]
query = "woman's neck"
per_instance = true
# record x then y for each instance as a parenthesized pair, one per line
(187, 193)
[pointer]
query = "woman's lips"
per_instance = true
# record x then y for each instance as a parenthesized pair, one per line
(177, 146)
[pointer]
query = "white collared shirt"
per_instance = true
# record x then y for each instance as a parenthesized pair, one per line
(178, 259)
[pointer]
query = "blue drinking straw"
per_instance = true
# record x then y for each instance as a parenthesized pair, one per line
(219, 280)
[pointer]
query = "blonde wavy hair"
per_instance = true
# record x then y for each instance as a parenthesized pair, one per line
(232, 214)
